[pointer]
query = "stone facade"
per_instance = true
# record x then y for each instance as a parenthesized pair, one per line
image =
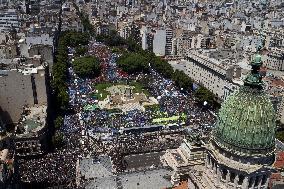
(217, 79)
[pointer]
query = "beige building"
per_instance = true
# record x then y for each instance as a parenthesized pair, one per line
(216, 77)
(22, 87)
(274, 59)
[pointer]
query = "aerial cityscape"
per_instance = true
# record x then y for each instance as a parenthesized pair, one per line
(141, 94)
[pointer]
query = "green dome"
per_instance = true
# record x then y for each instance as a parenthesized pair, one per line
(246, 123)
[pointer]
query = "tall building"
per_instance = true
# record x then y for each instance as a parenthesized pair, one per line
(169, 38)
(144, 38)
(159, 43)
(9, 20)
(240, 153)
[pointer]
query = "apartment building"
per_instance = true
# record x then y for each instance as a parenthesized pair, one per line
(9, 20)
(274, 59)
(169, 38)
(159, 43)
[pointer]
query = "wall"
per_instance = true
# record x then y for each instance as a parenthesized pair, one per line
(159, 43)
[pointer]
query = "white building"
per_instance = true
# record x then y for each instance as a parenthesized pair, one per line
(143, 33)
(275, 59)
(8, 20)
(159, 43)
(210, 74)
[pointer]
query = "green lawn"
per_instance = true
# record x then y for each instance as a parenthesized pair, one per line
(139, 88)
(101, 87)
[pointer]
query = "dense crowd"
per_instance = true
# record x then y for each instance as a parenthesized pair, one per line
(81, 126)
(57, 168)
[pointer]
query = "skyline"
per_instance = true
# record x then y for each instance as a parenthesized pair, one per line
(148, 94)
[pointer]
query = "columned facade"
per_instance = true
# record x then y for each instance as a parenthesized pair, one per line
(224, 176)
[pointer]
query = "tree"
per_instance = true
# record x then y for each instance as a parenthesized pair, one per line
(161, 66)
(182, 80)
(63, 99)
(132, 46)
(60, 75)
(280, 135)
(87, 66)
(58, 122)
(74, 39)
(133, 63)
(80, 51)
(204, 94)
(112, 39)
(58, 139)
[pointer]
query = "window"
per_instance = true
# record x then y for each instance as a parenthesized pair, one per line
(232, 176)
(241, 179)
(250, 183)
(263, 181)
(224, 174)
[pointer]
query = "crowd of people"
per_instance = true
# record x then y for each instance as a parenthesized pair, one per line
(60, 165)
(58, 168)
(175, 101)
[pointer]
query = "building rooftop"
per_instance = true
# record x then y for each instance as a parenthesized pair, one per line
(256, 114)
(32, 121)
(279, 163)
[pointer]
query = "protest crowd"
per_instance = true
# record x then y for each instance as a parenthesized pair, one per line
(89, 132)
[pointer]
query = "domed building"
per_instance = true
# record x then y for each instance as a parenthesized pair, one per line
(240, 153)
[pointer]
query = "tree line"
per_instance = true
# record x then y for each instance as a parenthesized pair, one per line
(60, 76)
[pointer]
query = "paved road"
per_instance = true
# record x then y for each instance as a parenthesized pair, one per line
(143, 160)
